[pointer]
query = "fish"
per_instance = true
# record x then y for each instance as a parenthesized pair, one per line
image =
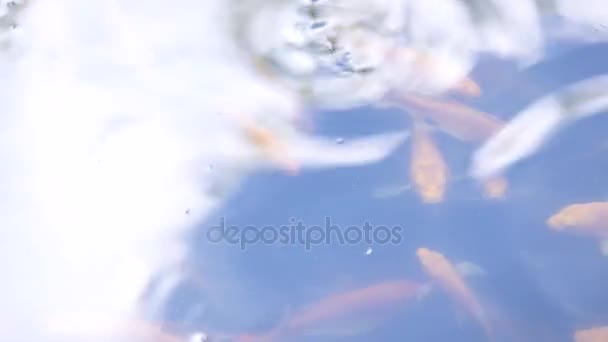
(495, 187)
(458, 120)
(529, 130)
(597, 334)
(428, 170)
(448, 277)
(589, 219)
(469, 87)
(271, 146)
(426, 62)
(338, 313)
(429, 173)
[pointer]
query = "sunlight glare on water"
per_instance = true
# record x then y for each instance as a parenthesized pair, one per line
(304, 170)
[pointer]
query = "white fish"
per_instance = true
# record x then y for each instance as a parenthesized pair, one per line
(528, 131)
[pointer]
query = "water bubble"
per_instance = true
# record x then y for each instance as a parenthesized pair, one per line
(340, 141)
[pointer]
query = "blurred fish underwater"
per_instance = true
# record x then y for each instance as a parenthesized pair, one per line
(303, 170)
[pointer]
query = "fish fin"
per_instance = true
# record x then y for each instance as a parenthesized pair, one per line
(467, 269)
(604, 247)
(390, 191)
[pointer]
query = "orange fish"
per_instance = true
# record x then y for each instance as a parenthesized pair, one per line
(495, 187)
(591, 218)
(469, 87)
(460, 121)
(427, 63)
(349, 308)
(466, 124)
(271, 146)
(585, 219)
(449, 279)
(598, 334)
(428, 170)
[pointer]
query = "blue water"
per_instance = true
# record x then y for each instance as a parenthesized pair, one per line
(542, 285)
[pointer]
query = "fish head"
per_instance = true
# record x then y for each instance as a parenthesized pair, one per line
(469, 87)
(271, 146)
(495, 187)
(437, 266)
(591, 334)
(432, 193)
(431, 185)
(429, 259)
(568, 218)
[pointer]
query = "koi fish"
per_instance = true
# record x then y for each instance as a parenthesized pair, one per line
(337, 314)
(495, 187)
(460, 121)
(430, 174)
(451, 281)
(428, 170)
(469, 87)
(585, 219)
(293, 150)
(529, 130)
(597, 334)
(271, 147)
(426, 62)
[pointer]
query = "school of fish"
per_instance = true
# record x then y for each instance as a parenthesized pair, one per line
(499, 145)
(363, 64)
